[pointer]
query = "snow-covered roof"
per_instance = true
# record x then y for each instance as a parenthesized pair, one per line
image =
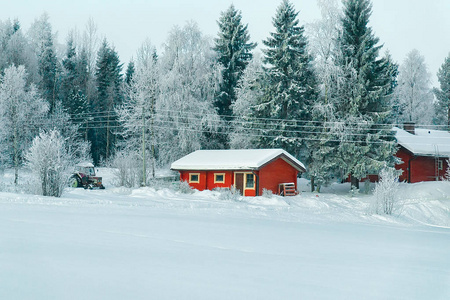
(424, 142)
(245, 159)
(85, 164)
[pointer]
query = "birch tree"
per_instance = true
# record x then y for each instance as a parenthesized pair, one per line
(323, 36)
(138, 113)
(249, 92)
(42, 41)
(414, 91)
(189, 79)
(21, 112)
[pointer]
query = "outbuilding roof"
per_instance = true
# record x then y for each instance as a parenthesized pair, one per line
(424, 142)
(244, 159)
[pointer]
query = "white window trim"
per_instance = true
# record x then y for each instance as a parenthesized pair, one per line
(194, 181)
(215, 177)
(245, 181)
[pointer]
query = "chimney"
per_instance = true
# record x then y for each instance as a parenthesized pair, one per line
(410, 127)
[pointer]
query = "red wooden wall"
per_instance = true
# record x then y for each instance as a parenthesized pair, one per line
(422, 167)
(229, 180)
(274, 173)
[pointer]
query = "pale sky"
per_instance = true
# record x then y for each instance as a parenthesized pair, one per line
(401, 25)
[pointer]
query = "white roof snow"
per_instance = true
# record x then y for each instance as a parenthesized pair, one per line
(245, 159)
(425, 142)
(85, 164)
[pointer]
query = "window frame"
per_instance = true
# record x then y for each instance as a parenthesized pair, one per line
(219, 174)
(245, 181)
(194, 174)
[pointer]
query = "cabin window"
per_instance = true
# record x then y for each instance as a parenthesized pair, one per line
(249, 181)
(194, 178)
(219, 178)
(440, 165)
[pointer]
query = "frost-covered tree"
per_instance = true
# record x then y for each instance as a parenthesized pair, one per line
(442, 106)
(61, 121)
(88, 50)
(127, 168)
(291, 88)
(50, 162)
(190, 77)
(234, 51)
(249, 91)
(137, 116)
(42, 40)
(21, 112)
(323, 36)
(386, 199)
(414, 92)
(15, 49)
(364, 103)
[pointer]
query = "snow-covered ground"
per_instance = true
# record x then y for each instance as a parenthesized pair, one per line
(144, 243)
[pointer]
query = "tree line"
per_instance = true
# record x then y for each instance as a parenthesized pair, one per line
(325, 93)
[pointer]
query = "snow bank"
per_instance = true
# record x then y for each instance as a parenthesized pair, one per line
(122, 243)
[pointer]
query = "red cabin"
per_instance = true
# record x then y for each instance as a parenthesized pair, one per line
(424, 153)
(250, 170)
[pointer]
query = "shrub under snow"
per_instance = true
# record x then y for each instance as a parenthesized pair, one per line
(385, 198)
(127, 169)
(50, 163)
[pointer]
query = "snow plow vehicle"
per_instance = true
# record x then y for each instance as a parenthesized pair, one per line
(84, 176)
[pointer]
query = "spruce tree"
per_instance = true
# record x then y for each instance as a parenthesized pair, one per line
(234, 53)
(366, 144)
(73, 87)
(442, 107)
(109, 95)
(291, 86)
(129, 72)
(69, 75)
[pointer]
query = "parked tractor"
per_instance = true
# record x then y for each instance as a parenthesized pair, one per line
(84, 176)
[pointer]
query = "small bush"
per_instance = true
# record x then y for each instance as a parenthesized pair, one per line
(385, 198)
(127, 169)
(185, 188)
(267, 193)
(50, 163)
(229, 194)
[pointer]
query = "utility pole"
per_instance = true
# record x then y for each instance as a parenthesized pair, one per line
(144, 169)
(153, 135)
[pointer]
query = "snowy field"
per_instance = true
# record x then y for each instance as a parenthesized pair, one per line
(161, 244)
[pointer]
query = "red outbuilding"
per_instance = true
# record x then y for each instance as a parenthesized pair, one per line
(249, 171)
(424, 153)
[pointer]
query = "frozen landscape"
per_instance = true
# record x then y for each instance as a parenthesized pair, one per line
(145, 243)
